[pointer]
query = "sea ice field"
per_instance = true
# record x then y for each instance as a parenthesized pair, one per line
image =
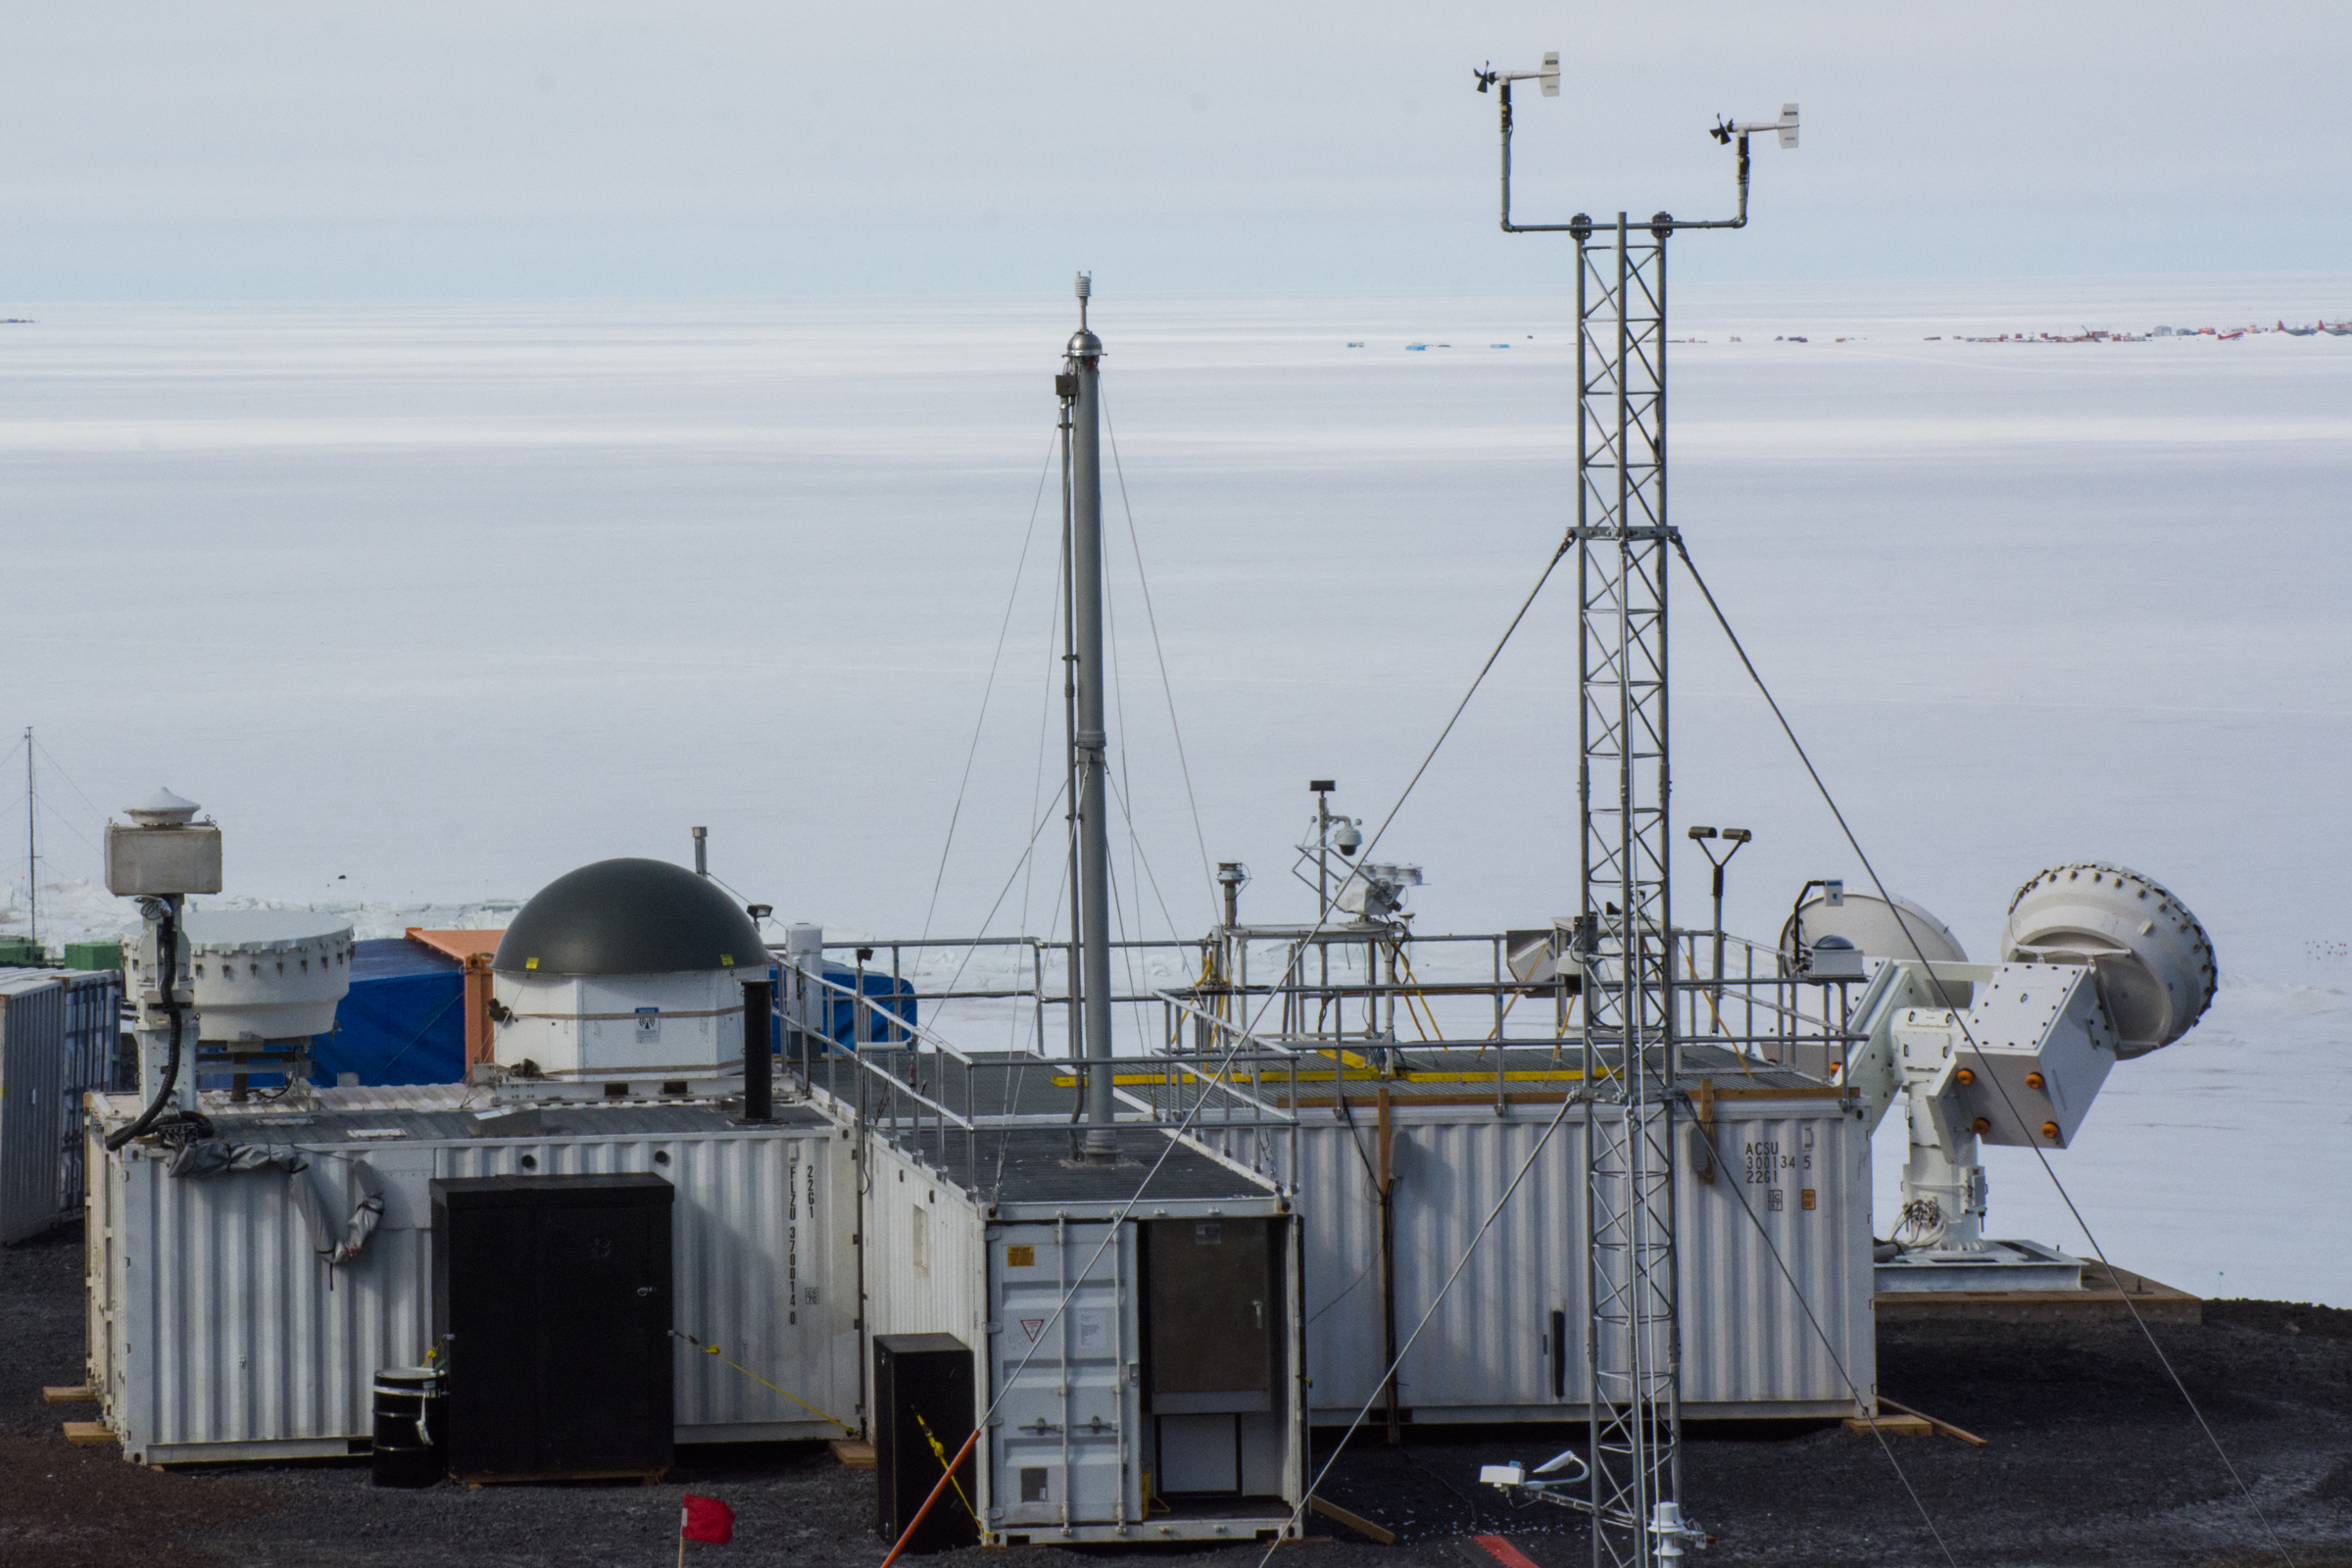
(430, 603)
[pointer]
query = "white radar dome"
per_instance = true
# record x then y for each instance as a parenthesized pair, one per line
(2154, 962)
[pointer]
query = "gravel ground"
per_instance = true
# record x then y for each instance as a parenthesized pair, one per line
(2094, 1459)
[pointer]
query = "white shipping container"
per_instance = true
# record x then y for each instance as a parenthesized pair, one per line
(1492, 1350)
(217, 1332)
(57, 1043)
(1080, 1447)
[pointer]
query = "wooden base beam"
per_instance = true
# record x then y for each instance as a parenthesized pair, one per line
(1355, 1522)
(1893, 1426)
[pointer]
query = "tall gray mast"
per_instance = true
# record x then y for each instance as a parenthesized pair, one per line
(1090, 740)
(1624, 942)
(33, 858)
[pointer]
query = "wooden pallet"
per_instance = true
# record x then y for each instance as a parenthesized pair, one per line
(852, 1453)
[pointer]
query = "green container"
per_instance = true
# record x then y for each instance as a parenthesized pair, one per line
(19, 951)
(93, 956)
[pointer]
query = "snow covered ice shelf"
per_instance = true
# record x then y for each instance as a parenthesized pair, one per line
(431, 603)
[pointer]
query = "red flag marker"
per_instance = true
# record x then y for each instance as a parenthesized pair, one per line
(1503, 1552)
(704, 1519)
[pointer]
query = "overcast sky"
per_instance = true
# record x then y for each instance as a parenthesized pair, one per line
(570, 147)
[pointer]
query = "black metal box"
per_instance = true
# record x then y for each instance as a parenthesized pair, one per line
(922, 1381)
(552, 1308)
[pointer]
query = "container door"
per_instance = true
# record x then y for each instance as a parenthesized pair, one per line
(1062, 1442)
(1215, 1300)
(603, 1344)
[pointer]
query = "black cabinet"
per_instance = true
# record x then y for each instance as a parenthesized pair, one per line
(551, 1307)
(923, 1380)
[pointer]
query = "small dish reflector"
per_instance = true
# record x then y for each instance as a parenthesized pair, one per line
(1551, 76)
(1788, 125)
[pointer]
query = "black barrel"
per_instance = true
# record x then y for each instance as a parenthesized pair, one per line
(410, 1414)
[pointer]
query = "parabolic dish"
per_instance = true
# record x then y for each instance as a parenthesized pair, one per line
(1879, 929)
(2155, 963)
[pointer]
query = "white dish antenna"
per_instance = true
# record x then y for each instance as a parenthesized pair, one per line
(1900, 929)
(1878, 929)
(2154, 962)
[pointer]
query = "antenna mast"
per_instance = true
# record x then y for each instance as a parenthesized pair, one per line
(1079, 389)
(32, 859)
(1624, 932)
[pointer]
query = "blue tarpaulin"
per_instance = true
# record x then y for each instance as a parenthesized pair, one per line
(403, 1019)
(402, 1022)
(852, 1024)
(848, 1024)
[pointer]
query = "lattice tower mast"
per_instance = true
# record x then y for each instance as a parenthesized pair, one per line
(1624, 931)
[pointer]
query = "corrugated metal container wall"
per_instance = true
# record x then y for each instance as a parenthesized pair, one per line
(1748, 1348)
(1747, 1338)
(216, 1332)
(32, 1099)
(1487, 1347)
(93, 1038)
(926, 1252)
(761, 1264)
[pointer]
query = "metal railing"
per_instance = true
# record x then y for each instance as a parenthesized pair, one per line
(923, 1093)
(1208, 1063)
